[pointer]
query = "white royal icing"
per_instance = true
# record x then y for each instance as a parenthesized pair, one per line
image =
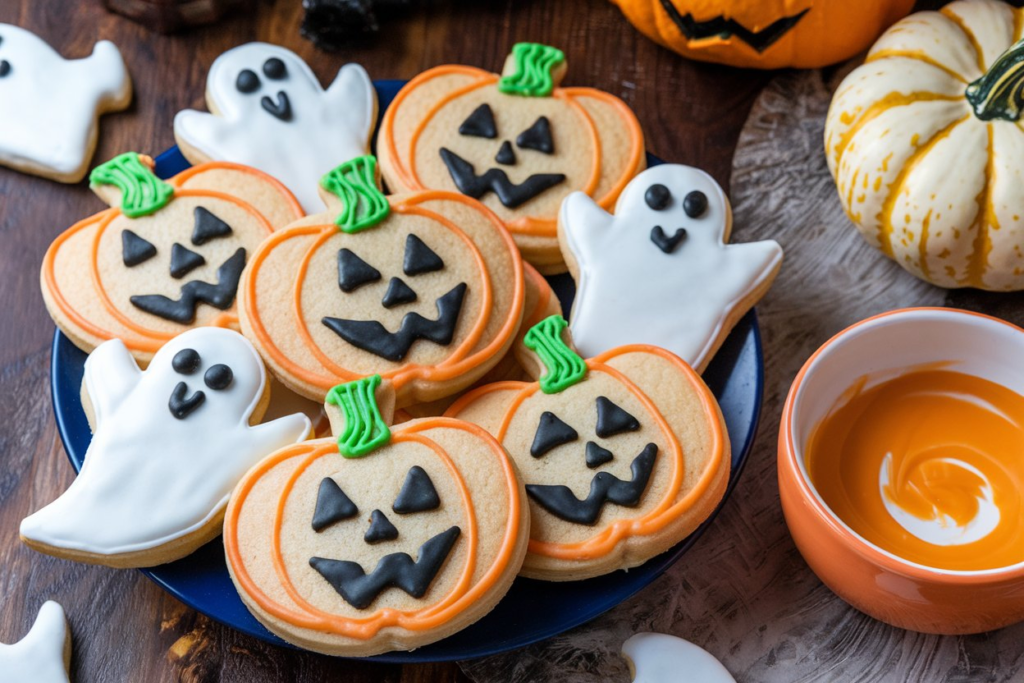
(631, 292)
(660, 658)
(327, 127)
(39, 656)
(148, 477)
(50, 106)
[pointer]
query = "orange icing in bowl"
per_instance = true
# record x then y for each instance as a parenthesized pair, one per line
(928, 466)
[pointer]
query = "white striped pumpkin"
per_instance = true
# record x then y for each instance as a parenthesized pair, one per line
(926, 146)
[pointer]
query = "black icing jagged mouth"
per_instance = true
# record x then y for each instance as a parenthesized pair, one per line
(183, 309)
(604, 488)
(726, 28)
(370, 335)
(360, 589)
(496, 180)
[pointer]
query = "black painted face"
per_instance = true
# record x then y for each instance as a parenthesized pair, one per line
(480, 124)
(5, 66)
(187, 362)
(721, 28)
(136, 250)
(370, 335)
(659, 198)
(398, 569)
(248, 82)
(605, 487)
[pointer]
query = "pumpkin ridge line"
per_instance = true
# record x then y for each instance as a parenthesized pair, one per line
(890, 101)
(982, 242)
(969, 34)
(916, 55)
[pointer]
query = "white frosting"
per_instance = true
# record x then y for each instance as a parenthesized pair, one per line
(50, 106)
(631, 292)
(39, 656)
(660, 658)
(327, 127)
(942, 529)
(148, 477)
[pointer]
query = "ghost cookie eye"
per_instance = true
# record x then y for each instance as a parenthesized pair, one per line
(247, 82)
(218, 377)
(186, 361)
(695, 204)
(5, 67)
(275, 69)
(658, 197)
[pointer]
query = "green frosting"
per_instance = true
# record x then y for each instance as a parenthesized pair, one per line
(534, 64)
(365, 429)
(563, 366)
(142, 193)
(999, 94)
(355, 183)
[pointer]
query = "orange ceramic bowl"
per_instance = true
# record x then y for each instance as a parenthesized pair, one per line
(876, 582)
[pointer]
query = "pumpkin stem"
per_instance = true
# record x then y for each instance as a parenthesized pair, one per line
(534, 66)
(999, 94)
(355, 183)
(365, 429)
(142, 193)
(563, 366)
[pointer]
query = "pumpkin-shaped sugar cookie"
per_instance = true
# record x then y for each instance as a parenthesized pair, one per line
(623, 455)
(518, 142)
(425, 289)
(167, 257)
(382, 539)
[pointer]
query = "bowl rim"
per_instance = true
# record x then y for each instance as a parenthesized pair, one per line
(871, 552)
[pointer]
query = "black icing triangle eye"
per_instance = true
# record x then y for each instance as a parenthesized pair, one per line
(184, 261)
(354, 272)
(134, 249)
(207, 227)
(186, 361)
(398, 293)
(332, 505)
(612, 420)
(419, 258)
(537, 137)
(480, 124)
(381, 528)
(695, 204)
(551, 432)
(247, 81)
(597, 456)
(5, 67)
(418, 493)
(657, 197)
(218, 377)
(274, 69)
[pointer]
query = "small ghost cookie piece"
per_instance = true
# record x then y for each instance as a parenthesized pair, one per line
(50, 106)
(517, 142)
(660, 658)
(169, 443)
(44, 654)
(166, 258)
(269, 111)
(384, 538)
(425, 289)
(660, 270)
(623, 455)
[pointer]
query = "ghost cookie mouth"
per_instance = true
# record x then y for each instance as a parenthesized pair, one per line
(281, 109)
(496, 180)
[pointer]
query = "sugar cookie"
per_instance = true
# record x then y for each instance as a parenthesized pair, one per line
(44, 654)
(660, 658)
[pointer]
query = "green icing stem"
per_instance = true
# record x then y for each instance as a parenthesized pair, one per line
(365, 430)
(355, 183)
(563, 366)
(142, 193)
(999, 94)
(534, 64)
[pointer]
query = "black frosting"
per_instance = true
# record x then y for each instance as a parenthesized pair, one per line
(551, 433)
(206, 227)
(247, 82)
(612, 420)
(695, 204)
(419, 258)
(664, 242)
(5, 67)
(274, 69)
(135, 249)
(381, 528)
(506, 155)
(332, 505)
(496, 180)
(183, 309)
(184, 261)
(181, 404)
(604, 488)
(354, 272)
(186, 361)
(418, 493)
(281, 109)
(218, 377)
(657, 197)
(721, 27)
(537, 137)
(596, 455)
(398, 293)
(480, 123)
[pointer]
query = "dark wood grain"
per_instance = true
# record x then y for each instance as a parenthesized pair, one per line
(125, 628)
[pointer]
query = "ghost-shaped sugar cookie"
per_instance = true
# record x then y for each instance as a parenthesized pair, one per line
(168, 446)
(270, 112)
(661, 658)
(50, 106)
(44, 654)
(660, 270)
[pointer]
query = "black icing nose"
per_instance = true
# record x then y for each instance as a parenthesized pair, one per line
(281, 109)
(506, 155)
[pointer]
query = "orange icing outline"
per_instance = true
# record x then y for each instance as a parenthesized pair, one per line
(180, 179)
(662, 514)
(446, 369)
(433, 616)
(523, 225)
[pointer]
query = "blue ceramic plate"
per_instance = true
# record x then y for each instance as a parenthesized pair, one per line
(532, 610)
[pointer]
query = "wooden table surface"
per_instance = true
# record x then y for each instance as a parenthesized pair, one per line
(125, 628)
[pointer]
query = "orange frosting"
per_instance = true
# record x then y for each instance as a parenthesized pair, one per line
(928, 466)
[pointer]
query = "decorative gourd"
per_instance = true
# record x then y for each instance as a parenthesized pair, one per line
(424, 288)
(417, 532)
(165, 258)
(764, 34)
(518, 142)
(623, 455)
(925, 143)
